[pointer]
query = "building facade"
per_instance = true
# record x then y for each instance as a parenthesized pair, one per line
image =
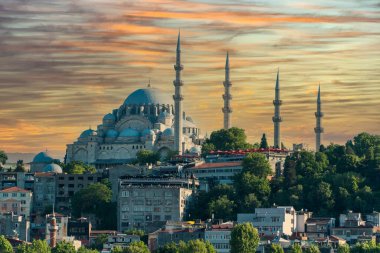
(44, 191)
(68, 184)
(16, 200)
(279, 220)
(147, 203)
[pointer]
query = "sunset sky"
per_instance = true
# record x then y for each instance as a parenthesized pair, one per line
(64, 64)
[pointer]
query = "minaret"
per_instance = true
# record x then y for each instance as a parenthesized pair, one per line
(318, 127)
(53, 231)
(277, 118)
(227, 110)
(178, 129)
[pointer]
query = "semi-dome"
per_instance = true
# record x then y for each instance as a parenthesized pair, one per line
(168, 132)
(129, 132)
(111, 133)
(148, 96)
(109, 116)
(43, 157)
(52, 168)
(147, 132)
(87, 133)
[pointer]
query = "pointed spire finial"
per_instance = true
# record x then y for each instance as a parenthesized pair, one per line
(278, 79)
(149, 83)
(227, 61)
(319, 92)
(179, 40)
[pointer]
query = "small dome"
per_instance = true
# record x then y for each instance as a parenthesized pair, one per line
(109, 116)
(168, 132)
(196, 150)
(111, 133)
(129, 132)
(43, 157)
(164, 115)
(147, 132)
(87, 133)
(52, 168)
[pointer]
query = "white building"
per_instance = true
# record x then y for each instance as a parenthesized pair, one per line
(373, 218)
(271, 221)
(120, 240)
(16, 200)
(219, 236)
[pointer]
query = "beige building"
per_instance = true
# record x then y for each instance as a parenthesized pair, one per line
(16, 200)
(147, 203)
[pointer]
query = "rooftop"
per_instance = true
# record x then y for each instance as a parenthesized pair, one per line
(14, 189)
(217, 165)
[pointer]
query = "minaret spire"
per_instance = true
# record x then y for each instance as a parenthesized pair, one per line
(277, 102)
(318, 127)
(178, 121)
(227, 110)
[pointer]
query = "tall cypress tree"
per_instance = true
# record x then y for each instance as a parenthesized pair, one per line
(264, 143)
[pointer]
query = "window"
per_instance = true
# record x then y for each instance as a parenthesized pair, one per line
(23, 195)
(5, 195)
(14, 194)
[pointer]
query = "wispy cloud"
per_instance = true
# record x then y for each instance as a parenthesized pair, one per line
(65, 64)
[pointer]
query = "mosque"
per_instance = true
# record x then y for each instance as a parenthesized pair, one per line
(148, 119)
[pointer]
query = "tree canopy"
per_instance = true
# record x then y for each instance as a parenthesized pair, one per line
(147, 157)
(264, 143)
(244, 238)
(5, 245)
(77, 167)
(226, 139)
(3, 158)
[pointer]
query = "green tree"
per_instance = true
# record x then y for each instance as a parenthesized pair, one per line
(257, 164)
(312, 249)
(99, 241)
(77, 167)
(244, 238)
(39, 246)
(264, 143)
(147, 156)
(5, 245)
(222, 208)
(91, 199)
(117, 249)
(275, 248)
(64, 247)
(86, 250)
(171, 247)
(3, 158)
(136, 247)
(295, 248)
(363, 142)
(343, 248)
(227, 139)
(207, 148)
(20, 166)
(197, 246)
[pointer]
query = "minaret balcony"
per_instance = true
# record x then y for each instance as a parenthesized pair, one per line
(226, 109)
(227, 84)
(178, 67)
(277, 119)
(177, 83)
(277, 102)
(319, 114)
(319, 130)
(177, 97)
(227, 96)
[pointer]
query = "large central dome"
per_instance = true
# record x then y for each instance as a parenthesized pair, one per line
(148, 96)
